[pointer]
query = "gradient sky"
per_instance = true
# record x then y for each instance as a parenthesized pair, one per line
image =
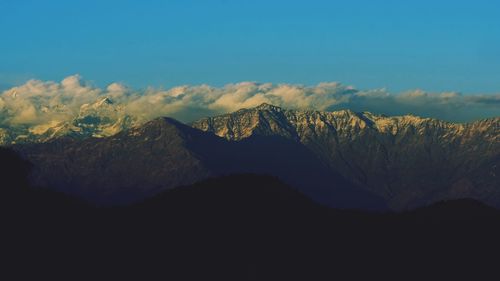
(433, 45)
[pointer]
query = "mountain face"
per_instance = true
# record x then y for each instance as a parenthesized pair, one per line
(409, 161)
(342, 159)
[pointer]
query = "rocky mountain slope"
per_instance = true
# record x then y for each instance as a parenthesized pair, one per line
(407, 160)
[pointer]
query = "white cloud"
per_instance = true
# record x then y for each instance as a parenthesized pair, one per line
(116, 88)
(36, 103)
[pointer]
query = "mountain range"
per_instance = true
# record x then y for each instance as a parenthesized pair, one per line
(344, 159)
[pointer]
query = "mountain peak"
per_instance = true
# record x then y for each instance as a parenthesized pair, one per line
(104, 101)
(165, 124)
(267, 106)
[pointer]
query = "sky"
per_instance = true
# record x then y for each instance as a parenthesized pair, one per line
(433, 45)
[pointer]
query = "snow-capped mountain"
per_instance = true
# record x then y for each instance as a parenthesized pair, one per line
(102, 118)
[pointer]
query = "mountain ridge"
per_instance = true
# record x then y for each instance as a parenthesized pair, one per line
(331, 156)
(104, 118)
(361, 119)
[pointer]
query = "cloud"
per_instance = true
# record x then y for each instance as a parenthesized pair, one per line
(36, 102)
(450, 106)
(485, 100)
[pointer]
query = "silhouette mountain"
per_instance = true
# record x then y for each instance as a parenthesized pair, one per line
(239, 227)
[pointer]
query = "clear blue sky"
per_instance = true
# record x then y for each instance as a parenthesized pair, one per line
(434, 45)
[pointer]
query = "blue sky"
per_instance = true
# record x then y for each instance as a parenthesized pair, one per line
(401, 45)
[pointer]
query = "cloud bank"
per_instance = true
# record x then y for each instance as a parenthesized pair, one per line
(42, 102)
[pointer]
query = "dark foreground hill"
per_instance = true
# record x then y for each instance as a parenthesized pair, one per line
(241, 227)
